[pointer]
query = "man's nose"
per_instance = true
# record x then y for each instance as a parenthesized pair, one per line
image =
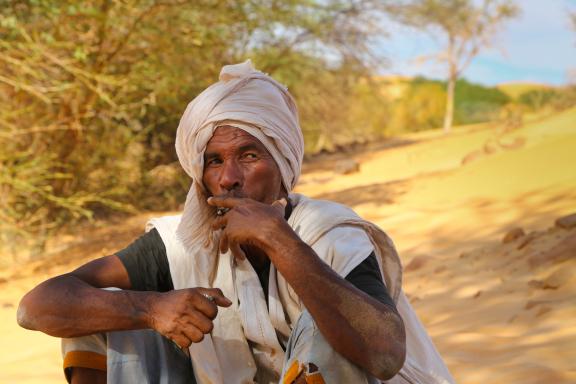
(231, 176)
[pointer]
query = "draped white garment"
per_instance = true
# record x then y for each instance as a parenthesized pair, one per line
(245, 335)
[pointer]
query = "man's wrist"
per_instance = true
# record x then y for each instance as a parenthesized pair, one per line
(143, 308)
(282, 242)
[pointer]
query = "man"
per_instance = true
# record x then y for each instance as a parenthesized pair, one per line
(254, 284)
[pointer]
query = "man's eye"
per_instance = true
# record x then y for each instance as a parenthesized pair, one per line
(212, 162)
(250, 156)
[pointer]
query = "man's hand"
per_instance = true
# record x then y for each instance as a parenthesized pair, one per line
(73, 305)
(186, 315)
(248, 223)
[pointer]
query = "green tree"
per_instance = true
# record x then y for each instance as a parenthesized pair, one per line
(475, 103)
(466, 26)
(421, 107)
(91, 92)
(537, 99)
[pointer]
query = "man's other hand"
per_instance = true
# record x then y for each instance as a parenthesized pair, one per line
(248, 222)
(186, 315)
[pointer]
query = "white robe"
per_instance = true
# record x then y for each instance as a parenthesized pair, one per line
(342, 240)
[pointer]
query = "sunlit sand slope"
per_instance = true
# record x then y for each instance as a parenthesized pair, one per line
(447, 203)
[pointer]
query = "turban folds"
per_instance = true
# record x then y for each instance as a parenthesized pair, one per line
(246, 99)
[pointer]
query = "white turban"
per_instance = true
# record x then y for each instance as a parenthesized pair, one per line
(246, 99)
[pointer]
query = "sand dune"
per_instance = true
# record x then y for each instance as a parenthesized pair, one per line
(487, 305)
(498, 312)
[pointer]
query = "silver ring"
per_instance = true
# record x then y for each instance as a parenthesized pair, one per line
(221, 211)
(210, 298)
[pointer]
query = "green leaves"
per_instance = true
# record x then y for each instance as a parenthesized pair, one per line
(467, 26)
(8, 22)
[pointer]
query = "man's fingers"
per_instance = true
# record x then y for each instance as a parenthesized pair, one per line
(218, 223)
(206, 305)
(223, 246)
(193, 334)
(181, 340)
(199, 321)
(237, 252)
(226, 202)
(214, 296)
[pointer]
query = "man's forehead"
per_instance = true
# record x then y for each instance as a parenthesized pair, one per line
(230, 136)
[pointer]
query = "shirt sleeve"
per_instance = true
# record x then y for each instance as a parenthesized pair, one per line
(350, 253)
(367, 278)
(146, 262)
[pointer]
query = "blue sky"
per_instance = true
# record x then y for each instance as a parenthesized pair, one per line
(538, 46)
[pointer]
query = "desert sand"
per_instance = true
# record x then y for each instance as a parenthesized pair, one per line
(488, 269)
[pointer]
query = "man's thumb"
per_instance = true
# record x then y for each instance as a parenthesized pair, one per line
(216, 296)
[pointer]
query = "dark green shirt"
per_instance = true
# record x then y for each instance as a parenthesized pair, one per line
(147, 264)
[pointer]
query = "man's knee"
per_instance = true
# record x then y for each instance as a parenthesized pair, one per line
(84, 353)
(311, 359)
(142, 356)
(79, 375)
(299, 373)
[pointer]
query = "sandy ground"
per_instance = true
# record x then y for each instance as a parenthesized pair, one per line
(498, 312)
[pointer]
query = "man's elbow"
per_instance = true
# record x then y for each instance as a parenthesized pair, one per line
(388, 364)
(390, 353)
(31, 316)
(36, 308)
(23, 315)
(31, 310)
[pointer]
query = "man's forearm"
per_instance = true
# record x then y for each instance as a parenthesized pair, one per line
(66, 306)
(359, 327)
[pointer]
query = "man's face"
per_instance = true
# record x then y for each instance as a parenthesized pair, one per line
(236, 164)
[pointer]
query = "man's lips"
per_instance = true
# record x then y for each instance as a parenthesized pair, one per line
(234, 193)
